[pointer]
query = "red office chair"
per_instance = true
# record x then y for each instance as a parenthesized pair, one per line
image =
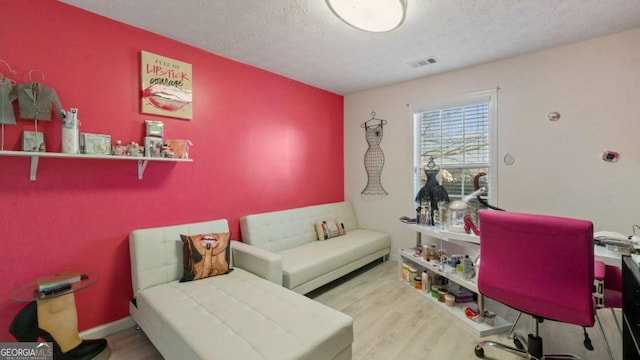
(540, 265)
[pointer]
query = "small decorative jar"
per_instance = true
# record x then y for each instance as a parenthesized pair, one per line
(441, 294)
(167, 152)
(134, 149)
(434, 291)
(432, 252)
(449, 300)
(405, 273)
(118, 149)
(412, 276)
(455, 216)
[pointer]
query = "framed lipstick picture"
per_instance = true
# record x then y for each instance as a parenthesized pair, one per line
(166, 86)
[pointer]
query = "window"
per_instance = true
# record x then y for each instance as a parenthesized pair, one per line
(457, 134)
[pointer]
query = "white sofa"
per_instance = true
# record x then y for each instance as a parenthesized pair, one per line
(240, 315)
(307, 263)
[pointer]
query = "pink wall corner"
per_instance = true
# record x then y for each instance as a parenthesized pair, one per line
(262, 142)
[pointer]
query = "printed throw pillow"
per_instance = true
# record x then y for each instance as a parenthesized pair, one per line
(205, 255)
(327, 229)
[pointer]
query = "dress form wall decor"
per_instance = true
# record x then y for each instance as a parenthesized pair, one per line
(374, 158)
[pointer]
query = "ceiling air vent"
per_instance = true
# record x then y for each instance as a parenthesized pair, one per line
(422, 62)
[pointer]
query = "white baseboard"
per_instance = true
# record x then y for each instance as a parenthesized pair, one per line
(105, 330)
(394, 257)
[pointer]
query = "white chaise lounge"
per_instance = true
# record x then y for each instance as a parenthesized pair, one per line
(240, 315)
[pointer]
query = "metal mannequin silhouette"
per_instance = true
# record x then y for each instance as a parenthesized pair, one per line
(374, 157)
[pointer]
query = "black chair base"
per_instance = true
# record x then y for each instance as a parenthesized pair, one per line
(479, 350)
(531, 348)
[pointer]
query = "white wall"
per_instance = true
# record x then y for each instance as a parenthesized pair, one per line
(594, 85)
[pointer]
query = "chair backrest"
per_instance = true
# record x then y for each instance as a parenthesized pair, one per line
(539, 264)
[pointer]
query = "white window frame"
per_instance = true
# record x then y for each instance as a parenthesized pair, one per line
(490, 97)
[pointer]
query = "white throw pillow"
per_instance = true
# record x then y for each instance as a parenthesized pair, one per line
(327, 229)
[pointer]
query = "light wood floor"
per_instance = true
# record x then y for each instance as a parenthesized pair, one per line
(393, 321)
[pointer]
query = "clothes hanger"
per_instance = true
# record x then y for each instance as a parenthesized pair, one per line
(2, 77)
(40, 71)
(12, 83)
(373, 118)
(431, 164)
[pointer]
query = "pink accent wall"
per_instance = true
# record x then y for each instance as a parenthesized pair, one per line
(262, 142)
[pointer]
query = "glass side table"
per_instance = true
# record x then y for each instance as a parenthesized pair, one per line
(29, 292)
(53, 317)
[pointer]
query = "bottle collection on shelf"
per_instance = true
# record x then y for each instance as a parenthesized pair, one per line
(36, 101)
(154, 144)
(76, 142)
(460, 265)
(438, 286)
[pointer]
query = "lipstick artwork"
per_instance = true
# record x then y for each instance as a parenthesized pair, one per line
(166, 86)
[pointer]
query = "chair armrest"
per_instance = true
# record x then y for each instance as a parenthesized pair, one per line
(260, 262)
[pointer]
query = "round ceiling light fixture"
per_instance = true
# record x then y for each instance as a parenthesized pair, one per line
(370, 15)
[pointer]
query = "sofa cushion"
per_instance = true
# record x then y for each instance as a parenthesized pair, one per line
(205, 255)
(306, 262)
(242, 316)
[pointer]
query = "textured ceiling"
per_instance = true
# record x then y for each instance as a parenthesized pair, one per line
(303, 40)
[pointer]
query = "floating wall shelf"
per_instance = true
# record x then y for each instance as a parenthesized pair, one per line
(35, 157)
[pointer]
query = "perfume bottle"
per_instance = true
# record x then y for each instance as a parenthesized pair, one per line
(70, 133)
(424, 215)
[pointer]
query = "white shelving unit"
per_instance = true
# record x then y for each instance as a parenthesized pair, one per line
(35, 158)
(429, 265)
(482, 329)
(468, 240)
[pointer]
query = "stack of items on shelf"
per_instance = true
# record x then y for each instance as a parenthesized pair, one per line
(155, 146)
(408, 274)
(435, 283)
(462, 295)
(153, 140)
(452, 264)
(49, 285)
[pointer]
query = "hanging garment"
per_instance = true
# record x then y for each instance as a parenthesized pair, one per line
(35, 101)
(7, 115)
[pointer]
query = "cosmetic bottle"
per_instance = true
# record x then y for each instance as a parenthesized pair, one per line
(70, 133)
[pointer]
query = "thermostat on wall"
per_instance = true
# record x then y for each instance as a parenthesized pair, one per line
(610, 156)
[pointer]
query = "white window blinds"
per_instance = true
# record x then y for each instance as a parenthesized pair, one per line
(458, 139)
